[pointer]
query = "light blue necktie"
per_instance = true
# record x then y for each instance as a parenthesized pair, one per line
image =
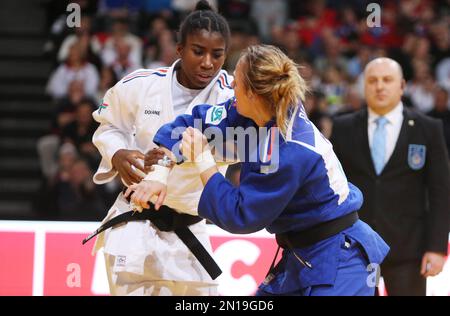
(379, 144)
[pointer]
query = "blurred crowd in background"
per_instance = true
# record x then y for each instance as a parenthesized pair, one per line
(330, 40)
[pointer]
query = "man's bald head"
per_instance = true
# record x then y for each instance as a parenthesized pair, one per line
(383, 84)
(385, 62)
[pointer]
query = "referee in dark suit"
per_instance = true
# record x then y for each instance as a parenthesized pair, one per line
(398, 158)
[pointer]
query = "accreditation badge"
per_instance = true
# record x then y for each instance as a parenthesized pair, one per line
(416, 156)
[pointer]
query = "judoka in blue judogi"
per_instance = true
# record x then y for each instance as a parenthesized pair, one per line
(296, 189)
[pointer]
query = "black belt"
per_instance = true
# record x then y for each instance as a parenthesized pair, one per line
(322, 231)
(166, 219)
(308, 237)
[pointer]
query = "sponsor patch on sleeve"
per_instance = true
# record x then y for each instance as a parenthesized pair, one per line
(215, 115)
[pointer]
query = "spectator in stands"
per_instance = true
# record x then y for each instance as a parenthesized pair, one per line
(268, 14)
(348, 29)
(440, 44)
(80, 132)
(47, 199)
(309, 73)
(47, 146)
(332, 56)
(317, 18)
(386, 34)
(66, 107)
(441, 111)
(421, 88)
(243, 34)
(107, 80)
(443, 73)
(235, 10)
(353, 101)
(334, 87)
(119, 8)
(291, 44)
(316, 108)
(165, 51)
(156, 6)
(421, 51)
(89, 42)
(403, 54)
(76, 67)
(186, 6)
(355, 65)
(56, 17)
(67, 156)
(124, 64)
(150, 40)
(78, 197)
(237, 44)
(120, 32)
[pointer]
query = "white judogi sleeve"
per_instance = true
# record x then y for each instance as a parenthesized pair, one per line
(116, 116)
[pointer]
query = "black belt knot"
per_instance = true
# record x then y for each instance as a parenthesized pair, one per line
(166, 219)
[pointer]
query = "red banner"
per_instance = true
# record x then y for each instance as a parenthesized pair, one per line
(47, 258)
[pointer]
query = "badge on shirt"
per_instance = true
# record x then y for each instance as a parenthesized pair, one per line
(215, 115)
(120, 261)
(102, 106)
(416, 156)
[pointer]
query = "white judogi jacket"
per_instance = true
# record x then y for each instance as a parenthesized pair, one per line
(129, 116)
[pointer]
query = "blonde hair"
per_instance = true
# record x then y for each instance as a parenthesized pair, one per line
(269, 73)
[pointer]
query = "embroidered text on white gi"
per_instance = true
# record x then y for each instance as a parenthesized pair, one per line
(150, 112)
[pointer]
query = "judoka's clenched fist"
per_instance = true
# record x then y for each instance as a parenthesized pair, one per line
(193, 144)
(144, 191)
(127, 164)
(194, 147)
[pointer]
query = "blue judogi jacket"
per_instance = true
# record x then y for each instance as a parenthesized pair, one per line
(294, 183)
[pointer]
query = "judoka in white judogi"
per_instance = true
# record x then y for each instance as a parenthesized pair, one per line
(140, 259)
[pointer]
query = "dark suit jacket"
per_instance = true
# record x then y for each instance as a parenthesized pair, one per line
(409, 208)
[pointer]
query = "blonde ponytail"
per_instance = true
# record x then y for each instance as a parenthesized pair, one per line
(272, 75)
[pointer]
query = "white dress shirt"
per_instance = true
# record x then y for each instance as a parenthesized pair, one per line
(393, 126)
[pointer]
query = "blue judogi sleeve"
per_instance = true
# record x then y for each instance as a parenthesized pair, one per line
(203, 116)
(260, 197)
